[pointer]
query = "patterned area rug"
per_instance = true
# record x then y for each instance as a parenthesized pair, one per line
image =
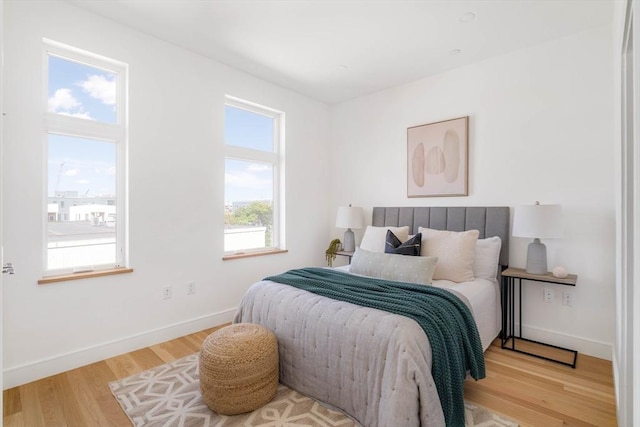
(169, 395)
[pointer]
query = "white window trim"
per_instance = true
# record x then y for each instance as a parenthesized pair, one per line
(117, 133)
(275, 158)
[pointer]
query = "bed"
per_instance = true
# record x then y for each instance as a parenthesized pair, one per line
(373, 365)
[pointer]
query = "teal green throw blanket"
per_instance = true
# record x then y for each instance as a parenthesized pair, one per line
(455, 343)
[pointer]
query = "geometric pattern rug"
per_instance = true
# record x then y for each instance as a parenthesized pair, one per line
(169, 396)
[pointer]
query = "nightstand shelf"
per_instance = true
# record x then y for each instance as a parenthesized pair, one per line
(348, 254)
(516, 342)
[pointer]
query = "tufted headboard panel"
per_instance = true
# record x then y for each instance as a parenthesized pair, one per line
(490, 221)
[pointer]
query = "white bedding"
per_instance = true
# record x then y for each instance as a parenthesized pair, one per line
(484, 298)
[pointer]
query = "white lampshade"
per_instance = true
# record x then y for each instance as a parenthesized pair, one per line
(349, 217)
(538, 221)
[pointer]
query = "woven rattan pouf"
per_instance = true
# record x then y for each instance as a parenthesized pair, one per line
(239, 368)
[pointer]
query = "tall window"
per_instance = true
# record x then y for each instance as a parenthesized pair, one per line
(253, 178)
(85, 134)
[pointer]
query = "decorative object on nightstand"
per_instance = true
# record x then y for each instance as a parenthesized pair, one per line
(559, 272)
(332, 251)
(349, 217)
(537, 222)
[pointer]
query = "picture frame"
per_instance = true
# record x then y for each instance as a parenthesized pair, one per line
(438, 159)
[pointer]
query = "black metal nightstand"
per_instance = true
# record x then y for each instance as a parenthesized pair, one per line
(348, 254)
(509, 339)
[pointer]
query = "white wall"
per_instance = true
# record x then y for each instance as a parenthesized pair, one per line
(626, 365)
(176, 153)
(541, 128)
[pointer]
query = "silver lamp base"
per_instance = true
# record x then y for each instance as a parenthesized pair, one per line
(349, 243)
(537, 258)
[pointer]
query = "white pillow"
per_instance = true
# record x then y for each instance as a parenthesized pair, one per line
(375, 237)
(455, 251)
(485, 265)
(399, 268)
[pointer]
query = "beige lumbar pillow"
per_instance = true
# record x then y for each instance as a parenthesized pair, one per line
(455, 252)
(375, 238)
(487, 259)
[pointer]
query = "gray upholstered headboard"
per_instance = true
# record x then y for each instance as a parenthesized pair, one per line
(490, 221)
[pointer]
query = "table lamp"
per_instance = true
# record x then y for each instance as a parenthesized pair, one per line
(537, 222)
(349, 217)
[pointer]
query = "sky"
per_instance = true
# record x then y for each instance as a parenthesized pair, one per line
(81, 91)
(78, 164)
(245, 181)
(88, 166)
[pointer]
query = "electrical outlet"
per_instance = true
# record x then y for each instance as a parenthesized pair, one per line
(191, 288)
(166, 292)
(548, 295)
(567, 299)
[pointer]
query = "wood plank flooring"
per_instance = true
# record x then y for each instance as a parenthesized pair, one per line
(538, 392)
(531, 390)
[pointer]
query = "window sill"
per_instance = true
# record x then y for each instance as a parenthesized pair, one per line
(84, 275)
(239, 255)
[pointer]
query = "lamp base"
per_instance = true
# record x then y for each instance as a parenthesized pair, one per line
(349, 243)
(536, 258)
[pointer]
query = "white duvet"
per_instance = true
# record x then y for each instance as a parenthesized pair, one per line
(484, 298)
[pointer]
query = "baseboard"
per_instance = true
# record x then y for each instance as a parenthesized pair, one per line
(22, 374)
(616, 380)
(583, 345)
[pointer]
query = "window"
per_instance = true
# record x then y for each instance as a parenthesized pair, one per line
(85, 134)
(254, 174)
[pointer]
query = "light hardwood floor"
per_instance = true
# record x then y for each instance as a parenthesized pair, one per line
(537, 392)
(533, 391)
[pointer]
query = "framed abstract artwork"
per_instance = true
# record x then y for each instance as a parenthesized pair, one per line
(438, 159)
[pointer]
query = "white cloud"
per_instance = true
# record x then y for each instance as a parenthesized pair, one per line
(62, 100)
(110, 171)
(64, 103)
(72, 172)
(99, 87)
(82, 181)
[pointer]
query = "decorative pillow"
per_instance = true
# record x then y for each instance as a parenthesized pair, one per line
(485, 265)
(374, 237)
(455, 251)
(393, 267)
(411, 247)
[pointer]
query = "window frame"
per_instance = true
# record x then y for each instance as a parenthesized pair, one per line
(116, 133)
(275, 158)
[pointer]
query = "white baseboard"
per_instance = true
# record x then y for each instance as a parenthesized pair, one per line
(616, 380)
(583, 345)
(31, 371)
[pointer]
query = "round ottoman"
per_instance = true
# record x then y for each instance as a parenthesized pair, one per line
(239, 368)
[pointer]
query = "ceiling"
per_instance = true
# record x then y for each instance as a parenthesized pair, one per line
(336, 50)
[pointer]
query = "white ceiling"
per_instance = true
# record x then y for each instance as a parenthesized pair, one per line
(301, 44)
